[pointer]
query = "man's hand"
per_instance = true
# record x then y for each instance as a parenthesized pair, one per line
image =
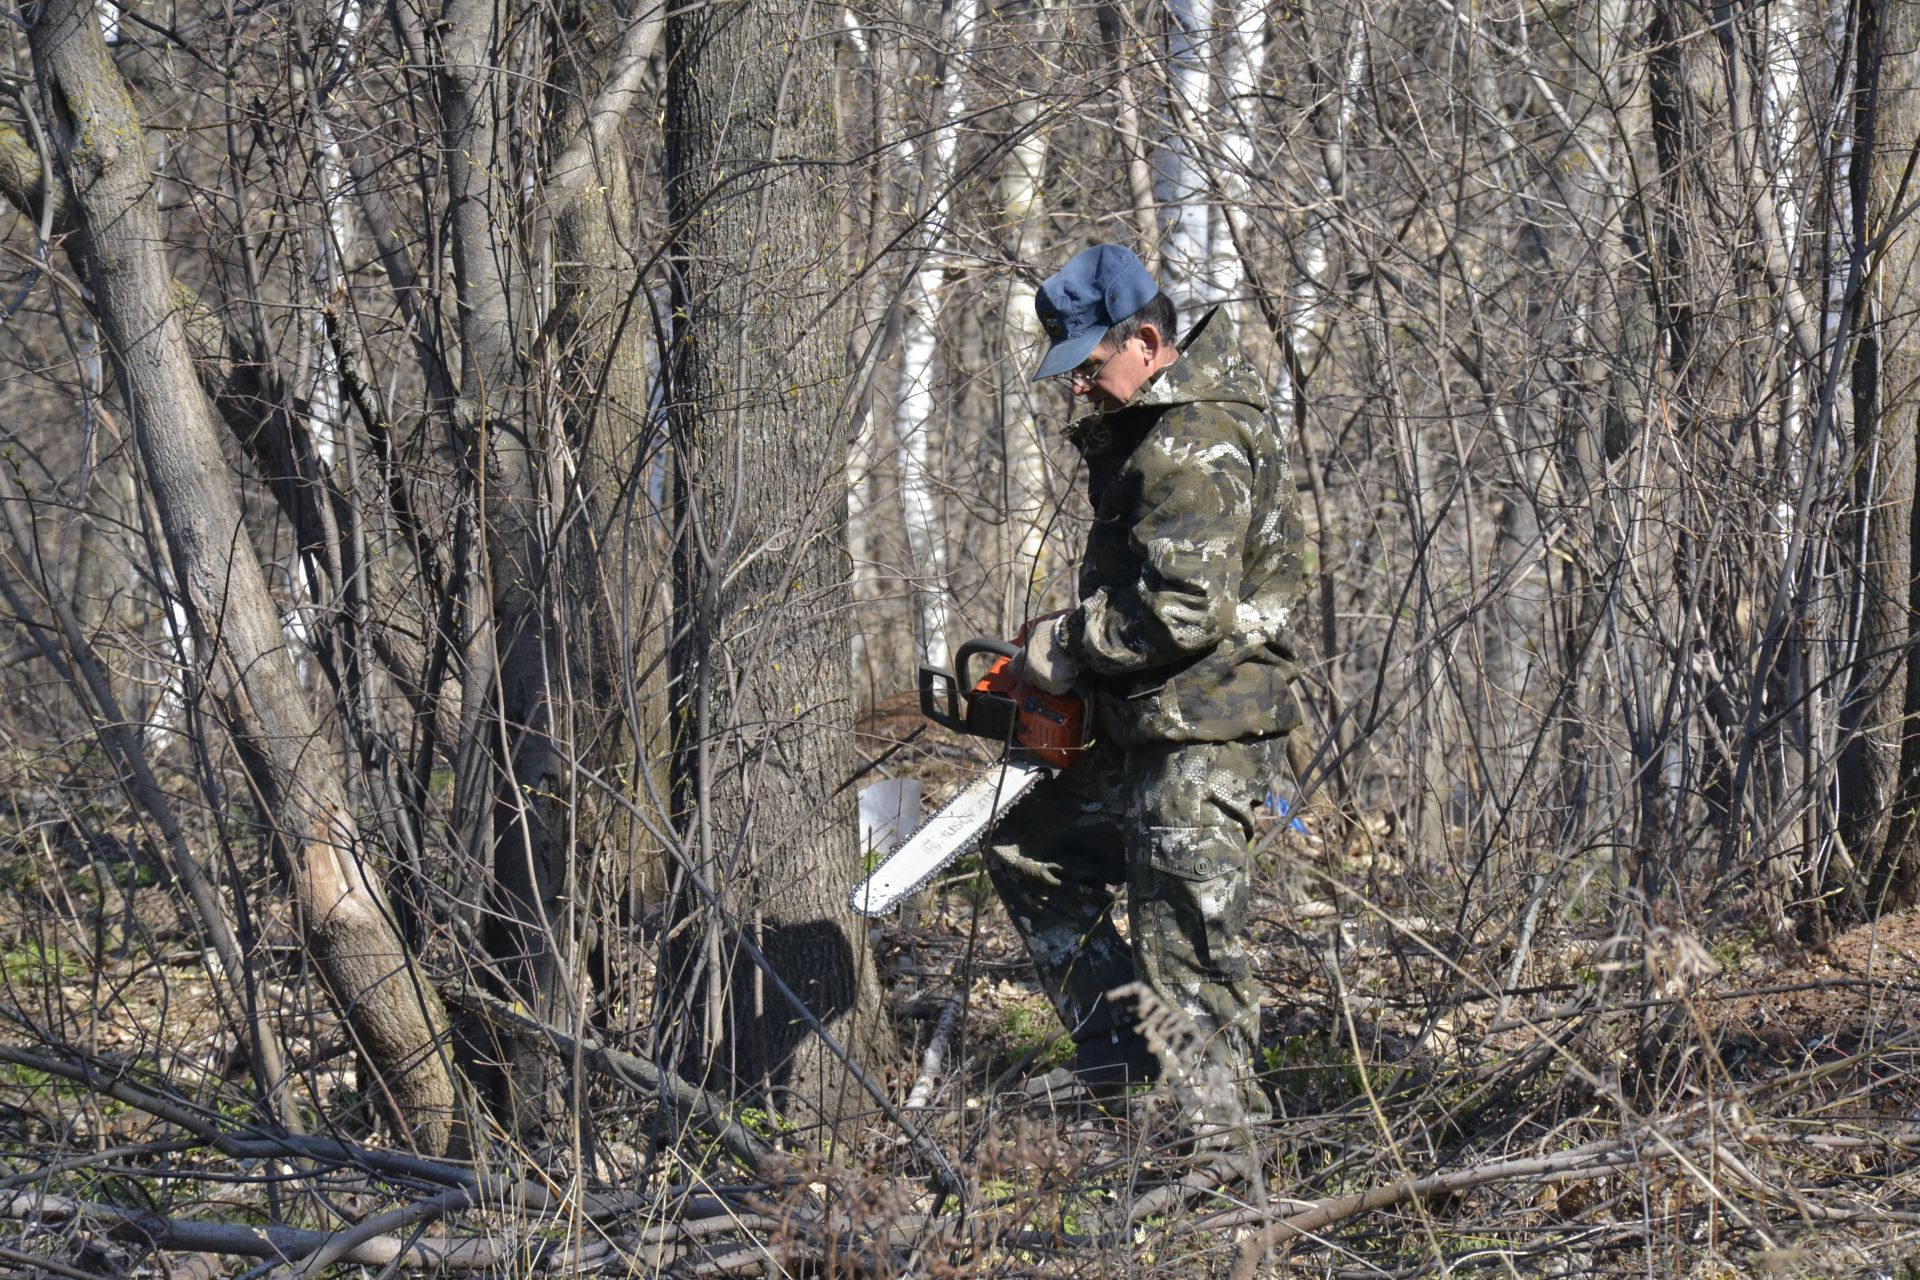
(1047, 873)
(1045, 663)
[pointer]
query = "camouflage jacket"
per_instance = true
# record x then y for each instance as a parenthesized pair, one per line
(1192, 585)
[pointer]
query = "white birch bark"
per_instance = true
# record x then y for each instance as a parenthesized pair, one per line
(1230, 228)
(324, 249)
(1304, 319)
(1205, 163)
(1022, 212)
(1783, 127)
(1180, 180)
(860, 462)
(919, 345)
(330, 241)
(913, 450)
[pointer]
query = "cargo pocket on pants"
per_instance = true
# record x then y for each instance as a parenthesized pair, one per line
(1186, 853)
(1198, 911)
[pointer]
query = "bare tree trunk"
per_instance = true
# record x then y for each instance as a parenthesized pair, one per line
(1878, 533)
(921, 329)
(611, 595)
(1022, 202)
(1880, 768)
(761, 630)
(1180, 181)
(556, 477)
(395, 1015)
(524, 925)
(1232, 125)
(1113, 33)
(1620, 322)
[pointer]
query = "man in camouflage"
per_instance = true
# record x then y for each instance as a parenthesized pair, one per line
(1183, 643)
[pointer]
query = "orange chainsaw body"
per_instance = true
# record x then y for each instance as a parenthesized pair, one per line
(1048, 727)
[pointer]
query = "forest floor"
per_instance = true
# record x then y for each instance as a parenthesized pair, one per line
(1584, 1105)
(1732, 1106)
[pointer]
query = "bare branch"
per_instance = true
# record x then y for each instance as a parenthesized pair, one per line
(579, 165)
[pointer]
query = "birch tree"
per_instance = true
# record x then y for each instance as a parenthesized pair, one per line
(1180, 185)
(1021, 194)
(914, 415)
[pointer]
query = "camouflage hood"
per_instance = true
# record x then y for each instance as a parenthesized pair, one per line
(1192, 583)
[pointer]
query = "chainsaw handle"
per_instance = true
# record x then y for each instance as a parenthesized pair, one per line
(973, 648)
(931, 678)
(939, 686)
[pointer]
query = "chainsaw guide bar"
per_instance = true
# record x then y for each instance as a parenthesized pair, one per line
(953, 829)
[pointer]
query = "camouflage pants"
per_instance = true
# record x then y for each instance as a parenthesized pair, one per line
(1170, 821)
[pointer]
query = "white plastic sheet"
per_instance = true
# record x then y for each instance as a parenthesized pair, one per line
(889, 810)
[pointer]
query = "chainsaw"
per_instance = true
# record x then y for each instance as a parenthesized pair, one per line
(1043, 732)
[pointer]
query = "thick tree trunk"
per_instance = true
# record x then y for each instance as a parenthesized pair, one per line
(395, 1015)
(551, 409)
(1620, 321)
(524, 928)
(1880, 768)
(763, 703)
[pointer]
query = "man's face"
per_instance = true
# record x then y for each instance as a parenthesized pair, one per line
(1111, 376)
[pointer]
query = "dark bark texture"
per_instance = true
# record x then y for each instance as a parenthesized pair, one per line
(1887, 391)
(762, 685)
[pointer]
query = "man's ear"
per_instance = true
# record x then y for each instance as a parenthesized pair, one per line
(1152, 339)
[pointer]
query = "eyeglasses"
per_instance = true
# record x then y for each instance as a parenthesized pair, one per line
(1084, 378)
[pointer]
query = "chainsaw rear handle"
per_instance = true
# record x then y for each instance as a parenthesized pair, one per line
(937, 681)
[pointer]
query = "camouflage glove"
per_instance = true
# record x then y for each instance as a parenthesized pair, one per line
(1045, 663)
(1032, 868)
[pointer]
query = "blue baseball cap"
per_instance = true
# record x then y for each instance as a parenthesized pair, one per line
(1097, 289)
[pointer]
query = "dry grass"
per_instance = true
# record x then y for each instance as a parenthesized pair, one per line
(1657, 1104)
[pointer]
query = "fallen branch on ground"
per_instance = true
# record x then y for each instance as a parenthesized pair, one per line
(935, 1057)
(480, 1253)
(1317, 1215)
(241, 1144)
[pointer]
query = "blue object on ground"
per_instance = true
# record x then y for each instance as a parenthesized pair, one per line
(1278, 803)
